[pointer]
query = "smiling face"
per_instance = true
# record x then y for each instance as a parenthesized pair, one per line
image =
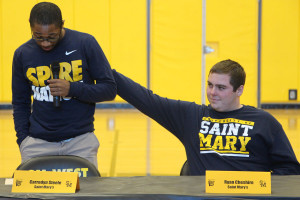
(220, 93)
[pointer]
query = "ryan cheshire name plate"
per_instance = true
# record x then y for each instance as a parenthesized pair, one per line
(45, 182)
(238, 182)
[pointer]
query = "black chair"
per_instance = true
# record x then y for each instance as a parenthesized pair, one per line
(61, 164)
(185, 171)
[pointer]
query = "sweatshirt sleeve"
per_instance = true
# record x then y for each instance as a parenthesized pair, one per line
(104, 87)
(171, 114)
(21, 99)
(283, 159)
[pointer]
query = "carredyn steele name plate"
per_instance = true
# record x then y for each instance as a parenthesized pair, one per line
(45, 182)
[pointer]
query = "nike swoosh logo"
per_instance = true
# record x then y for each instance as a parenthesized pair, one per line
(68, 53)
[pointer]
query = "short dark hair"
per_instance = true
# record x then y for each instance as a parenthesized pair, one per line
(234, 69)
(46, 13)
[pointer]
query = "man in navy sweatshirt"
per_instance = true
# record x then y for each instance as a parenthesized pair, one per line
(225, 135)
(85, 78)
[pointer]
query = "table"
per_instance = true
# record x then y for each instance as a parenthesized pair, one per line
(155, 188)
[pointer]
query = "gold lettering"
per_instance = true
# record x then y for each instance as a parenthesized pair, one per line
(29, 75)
(77, 71)
(218, 143)
(228, 120)
(244, 141)
(84, 171)
(230, 142)
(43, 74)
(65, 70)
(205, 140)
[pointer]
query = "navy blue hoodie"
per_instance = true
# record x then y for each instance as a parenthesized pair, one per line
(83, 63)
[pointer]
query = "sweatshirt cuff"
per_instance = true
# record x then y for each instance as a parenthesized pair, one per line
(73, 89)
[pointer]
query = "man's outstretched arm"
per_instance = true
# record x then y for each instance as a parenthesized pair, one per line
(171, 114)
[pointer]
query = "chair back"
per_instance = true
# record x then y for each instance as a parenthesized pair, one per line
(61, 164)
(185, 171)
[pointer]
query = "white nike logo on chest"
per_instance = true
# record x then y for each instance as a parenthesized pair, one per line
(68, 53)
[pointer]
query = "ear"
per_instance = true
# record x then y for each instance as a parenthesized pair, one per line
(240, 90)
(63, 23)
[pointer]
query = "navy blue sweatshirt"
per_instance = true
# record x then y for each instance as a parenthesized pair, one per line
(247, 139)
(83, 64)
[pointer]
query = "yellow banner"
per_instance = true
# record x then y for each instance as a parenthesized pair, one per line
(238, 182)
(45, 182)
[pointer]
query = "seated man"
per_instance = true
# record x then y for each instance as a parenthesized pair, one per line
(225, 135)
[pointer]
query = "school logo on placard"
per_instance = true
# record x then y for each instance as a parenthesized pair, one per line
(211, 182)
(263, 183)
(19, 182)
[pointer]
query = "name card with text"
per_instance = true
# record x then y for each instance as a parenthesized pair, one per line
(45, 182)
(238, 182)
